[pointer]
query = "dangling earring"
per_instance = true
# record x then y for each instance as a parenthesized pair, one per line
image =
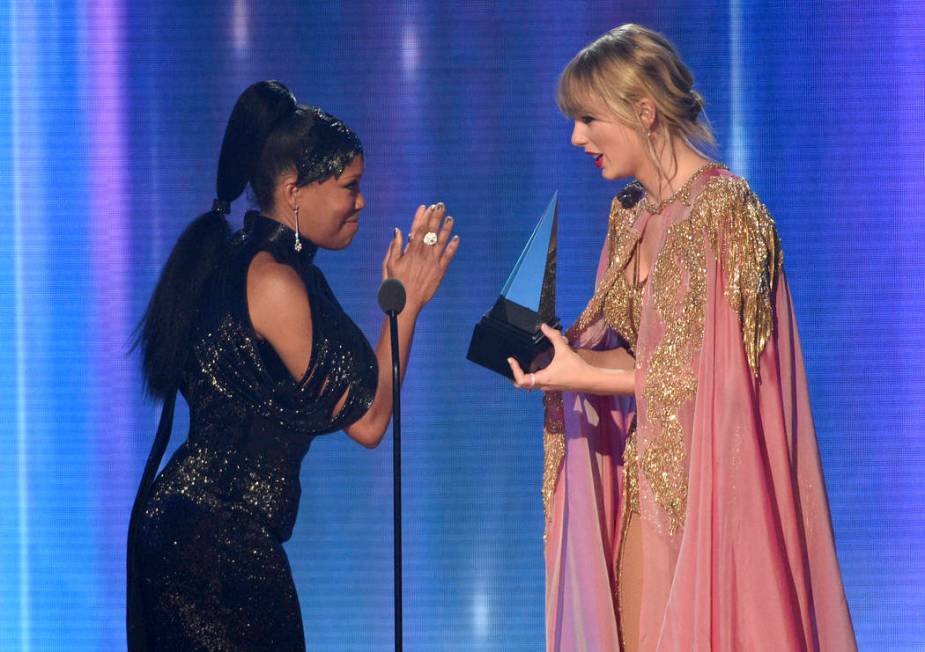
(298, 242)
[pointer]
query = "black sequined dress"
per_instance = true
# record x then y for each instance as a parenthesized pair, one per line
(206, 541)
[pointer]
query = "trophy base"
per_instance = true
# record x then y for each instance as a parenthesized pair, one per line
(508, 331)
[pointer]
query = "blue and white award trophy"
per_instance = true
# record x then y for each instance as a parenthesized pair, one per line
(511, 329)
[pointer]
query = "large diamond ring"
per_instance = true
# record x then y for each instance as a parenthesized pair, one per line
(430, 238)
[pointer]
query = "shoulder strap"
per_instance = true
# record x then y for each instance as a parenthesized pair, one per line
(134, 615)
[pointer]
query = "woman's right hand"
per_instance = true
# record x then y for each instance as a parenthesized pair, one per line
(421, 266)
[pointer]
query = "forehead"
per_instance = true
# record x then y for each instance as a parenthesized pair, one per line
(356, 167)
(352, 172)
(590, 103)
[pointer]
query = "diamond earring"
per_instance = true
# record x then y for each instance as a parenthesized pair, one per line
(298, 242)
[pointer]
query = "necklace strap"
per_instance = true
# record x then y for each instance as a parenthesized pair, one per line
(682, 193)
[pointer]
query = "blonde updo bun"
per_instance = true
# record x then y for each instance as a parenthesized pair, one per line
(627, 64)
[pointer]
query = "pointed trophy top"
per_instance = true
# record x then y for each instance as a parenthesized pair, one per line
(532, 283)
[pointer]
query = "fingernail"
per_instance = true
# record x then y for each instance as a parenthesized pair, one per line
(456, 237)
(432, 207)
(396, 232)
(440, 204)
(449, 218)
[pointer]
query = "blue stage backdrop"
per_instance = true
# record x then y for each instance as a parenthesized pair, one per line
(111, 116)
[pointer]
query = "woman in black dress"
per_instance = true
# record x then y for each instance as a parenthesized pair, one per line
(247, 329)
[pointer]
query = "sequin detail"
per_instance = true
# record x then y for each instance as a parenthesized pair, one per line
(329, 149)
(683, 193)
(622, 304)
(729, 218)
(213, 570)
(679, 293)
(553, 448)
(743, 236)
(613, 294)
(631, 473)
(621, 312)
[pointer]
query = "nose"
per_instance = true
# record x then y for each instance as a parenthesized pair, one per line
(360, 202)
(579, 137)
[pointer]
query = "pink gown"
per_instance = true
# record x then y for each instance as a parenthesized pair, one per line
(721, 465)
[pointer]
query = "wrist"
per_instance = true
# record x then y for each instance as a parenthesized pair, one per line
(413, 306)
(412, 309)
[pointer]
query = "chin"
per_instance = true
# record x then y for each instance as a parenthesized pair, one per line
(615, 174)
(344, 243)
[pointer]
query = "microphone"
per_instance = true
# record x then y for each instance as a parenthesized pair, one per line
(392, 301)
(631, 194)
(392, 296)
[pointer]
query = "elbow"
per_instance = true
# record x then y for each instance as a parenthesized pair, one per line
(368, 437)
(371, 441)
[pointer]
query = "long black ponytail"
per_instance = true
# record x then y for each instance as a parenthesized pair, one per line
(267, 134)
(164, 331)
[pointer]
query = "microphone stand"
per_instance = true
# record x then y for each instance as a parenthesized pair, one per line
(396, 476)
(392, 302)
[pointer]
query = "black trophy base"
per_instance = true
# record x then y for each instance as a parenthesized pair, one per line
(508, 331)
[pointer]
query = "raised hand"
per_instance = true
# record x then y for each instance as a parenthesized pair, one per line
(422, 263)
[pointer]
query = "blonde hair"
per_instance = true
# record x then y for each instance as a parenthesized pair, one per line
(627, 64)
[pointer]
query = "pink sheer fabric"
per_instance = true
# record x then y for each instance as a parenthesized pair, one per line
(738, 550)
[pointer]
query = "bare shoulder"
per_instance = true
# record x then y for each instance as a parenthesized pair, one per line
(271, 279)
(276, 296)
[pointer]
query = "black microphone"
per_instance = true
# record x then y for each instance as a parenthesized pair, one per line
(392, 296)
(392, 301)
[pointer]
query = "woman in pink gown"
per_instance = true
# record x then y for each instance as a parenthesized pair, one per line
(684, 499)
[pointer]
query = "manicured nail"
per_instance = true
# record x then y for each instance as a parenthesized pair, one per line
(440, 204)
(449, 218)
(432, 207)
(396, 232)
(456, 237)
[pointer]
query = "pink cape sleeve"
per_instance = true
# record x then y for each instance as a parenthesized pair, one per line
(757, 568)
(754, 565)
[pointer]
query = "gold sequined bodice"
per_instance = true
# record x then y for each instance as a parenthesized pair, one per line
(617, 299)
(623, 309)
(720, 227)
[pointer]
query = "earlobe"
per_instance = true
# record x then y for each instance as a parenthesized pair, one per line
(646, 113)
(289, 189)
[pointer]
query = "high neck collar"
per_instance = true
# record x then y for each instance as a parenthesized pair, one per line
(262, 229)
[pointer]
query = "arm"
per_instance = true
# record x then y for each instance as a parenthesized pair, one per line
(420, 268)
(280, 312)
(608, 359)
(570, 371)
(370, 429)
